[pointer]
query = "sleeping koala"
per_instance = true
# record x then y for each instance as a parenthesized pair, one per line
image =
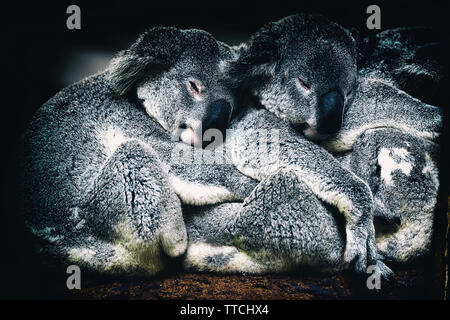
(303, 69)
(287, 220)
(100, 187)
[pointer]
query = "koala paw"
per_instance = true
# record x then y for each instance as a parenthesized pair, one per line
(385, 272)
(361, 251)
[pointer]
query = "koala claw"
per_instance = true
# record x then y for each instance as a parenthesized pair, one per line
(385, 272)
(363, 253)
(360, 263)
(383, 257)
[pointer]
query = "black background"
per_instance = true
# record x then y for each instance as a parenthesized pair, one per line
(36, 57)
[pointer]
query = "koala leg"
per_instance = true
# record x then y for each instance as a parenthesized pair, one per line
(402, 172)
(130, 206)
(211, 247)
(280, 226)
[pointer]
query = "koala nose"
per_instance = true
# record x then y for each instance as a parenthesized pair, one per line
(331, 108)
(217, 116)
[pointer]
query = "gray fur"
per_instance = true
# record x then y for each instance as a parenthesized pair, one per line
(104, 192)
(411, 57)
(284, 224)
(304, 46)
(402, 171)
(378, 103)
(279, 227)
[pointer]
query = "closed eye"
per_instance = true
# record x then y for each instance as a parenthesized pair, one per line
(349, 93)
(194, 87)
(303, 85)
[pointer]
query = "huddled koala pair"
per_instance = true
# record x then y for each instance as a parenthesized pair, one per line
(102, 189)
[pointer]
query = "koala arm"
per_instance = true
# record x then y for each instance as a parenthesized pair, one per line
(202, 184)
(379, 104)
(205, 176)
(314, 166)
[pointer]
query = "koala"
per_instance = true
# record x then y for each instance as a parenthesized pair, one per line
(101, 189)
(402, 171)
(303, 69)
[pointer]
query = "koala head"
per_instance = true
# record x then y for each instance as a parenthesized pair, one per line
(303, 69)
(177, 76)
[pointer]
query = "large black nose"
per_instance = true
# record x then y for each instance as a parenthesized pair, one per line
(331, 108)
(217, 116)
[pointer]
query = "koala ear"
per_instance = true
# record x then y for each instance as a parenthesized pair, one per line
(256, 57)
(157, 49)
(263, 46)
(226, 52)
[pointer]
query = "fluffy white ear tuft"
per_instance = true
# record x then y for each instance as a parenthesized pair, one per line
(155, 50)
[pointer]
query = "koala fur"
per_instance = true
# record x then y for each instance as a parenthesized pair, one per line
(284, 224)
(402, 171)
(102, 189)
(412, 58)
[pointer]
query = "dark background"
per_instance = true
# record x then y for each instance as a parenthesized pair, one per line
(41, 56)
